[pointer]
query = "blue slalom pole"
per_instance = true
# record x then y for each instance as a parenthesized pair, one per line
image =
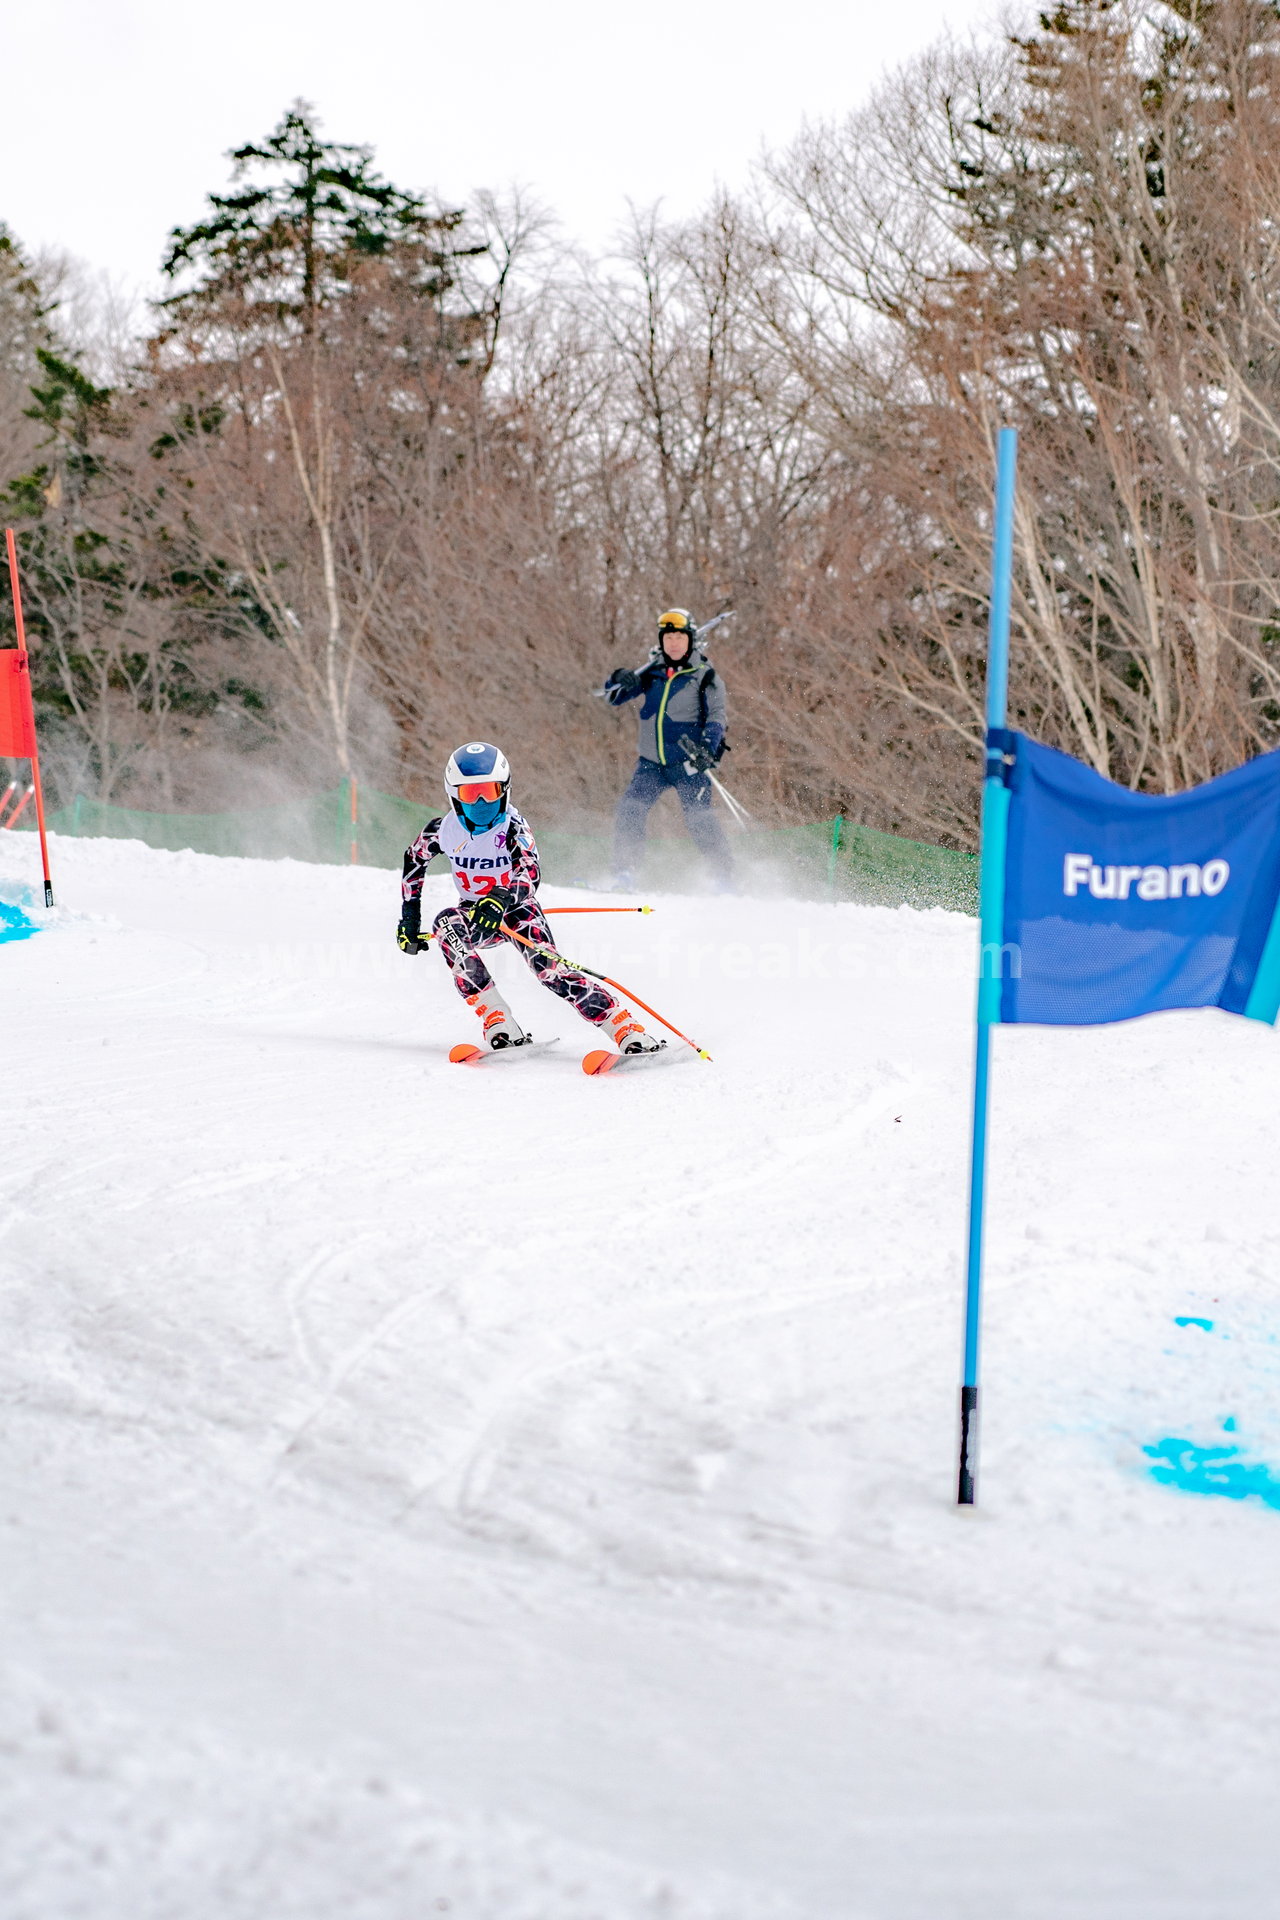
(995, 832)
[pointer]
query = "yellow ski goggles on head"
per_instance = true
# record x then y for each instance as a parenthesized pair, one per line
(676, 621)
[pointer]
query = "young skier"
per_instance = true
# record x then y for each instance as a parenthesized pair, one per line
(495, 869)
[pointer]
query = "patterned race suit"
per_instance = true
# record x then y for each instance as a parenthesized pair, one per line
(503, 856)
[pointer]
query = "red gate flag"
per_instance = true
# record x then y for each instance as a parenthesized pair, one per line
(17, 721)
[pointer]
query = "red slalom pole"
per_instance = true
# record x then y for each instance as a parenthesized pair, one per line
(6, 797)
(35, 752)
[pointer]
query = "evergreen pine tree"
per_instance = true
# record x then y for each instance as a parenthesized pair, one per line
(290, 239)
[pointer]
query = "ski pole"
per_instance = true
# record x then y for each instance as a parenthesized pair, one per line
(553, 954)
(431, 936)
(735, 807)
(737, 812)
(426, 939)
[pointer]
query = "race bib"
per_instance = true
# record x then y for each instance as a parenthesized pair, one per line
(480, 861)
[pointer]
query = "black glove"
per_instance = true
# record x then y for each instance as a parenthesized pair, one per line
(409, 932)
(489, 912)
(699, 759)
(623, 680)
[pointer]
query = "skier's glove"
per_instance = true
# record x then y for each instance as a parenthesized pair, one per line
(699, 760)
(409, 932)
(489, 912)
(622, 680)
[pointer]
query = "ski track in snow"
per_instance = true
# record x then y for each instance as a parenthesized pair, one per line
(528, 1497)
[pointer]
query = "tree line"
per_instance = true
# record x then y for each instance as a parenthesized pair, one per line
(379, 474)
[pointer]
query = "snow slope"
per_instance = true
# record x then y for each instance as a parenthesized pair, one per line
(526, 1497)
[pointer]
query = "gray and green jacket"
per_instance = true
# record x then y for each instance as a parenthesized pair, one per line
(679, 703)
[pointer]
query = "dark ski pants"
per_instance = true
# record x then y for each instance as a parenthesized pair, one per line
(648, 783)
(461, 949)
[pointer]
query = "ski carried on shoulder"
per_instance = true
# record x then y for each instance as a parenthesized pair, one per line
(605, 1060)
(467, 1055)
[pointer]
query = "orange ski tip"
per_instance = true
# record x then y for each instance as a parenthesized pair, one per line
(463, 1052)
(600, 1060)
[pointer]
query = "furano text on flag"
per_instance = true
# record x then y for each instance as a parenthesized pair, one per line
(1119, 903)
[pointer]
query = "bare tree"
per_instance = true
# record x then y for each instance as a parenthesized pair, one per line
(1070, 234)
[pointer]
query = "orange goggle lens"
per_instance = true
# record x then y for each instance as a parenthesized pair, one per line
(480, 790)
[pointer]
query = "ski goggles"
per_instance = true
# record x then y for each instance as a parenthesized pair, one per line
(674, 622)
(472, 790)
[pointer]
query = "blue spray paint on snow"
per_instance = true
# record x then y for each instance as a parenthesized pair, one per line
(1213, 1470)
(1227, 1470)
(14, 924)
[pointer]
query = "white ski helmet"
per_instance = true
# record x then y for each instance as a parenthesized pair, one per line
(476, 781)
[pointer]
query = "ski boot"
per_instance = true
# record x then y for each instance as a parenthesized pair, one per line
(627, 1034)
(501, 1028)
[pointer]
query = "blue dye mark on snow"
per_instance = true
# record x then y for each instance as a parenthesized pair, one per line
(14, 924)
(1213, 1470)
(1230, 1424)
(1192, 1320)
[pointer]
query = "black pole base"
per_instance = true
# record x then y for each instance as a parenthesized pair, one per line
(967, 1494)
(48, 894)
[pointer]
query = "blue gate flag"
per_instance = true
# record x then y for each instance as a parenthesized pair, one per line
(1119, 903)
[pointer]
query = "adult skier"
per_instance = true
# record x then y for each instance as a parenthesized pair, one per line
(495, 869)
(682, 723)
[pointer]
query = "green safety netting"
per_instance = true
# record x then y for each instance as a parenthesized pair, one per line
(829, 859)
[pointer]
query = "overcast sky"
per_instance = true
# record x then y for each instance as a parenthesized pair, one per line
(117, 113)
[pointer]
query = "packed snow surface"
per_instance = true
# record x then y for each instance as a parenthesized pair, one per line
(528, 1497)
